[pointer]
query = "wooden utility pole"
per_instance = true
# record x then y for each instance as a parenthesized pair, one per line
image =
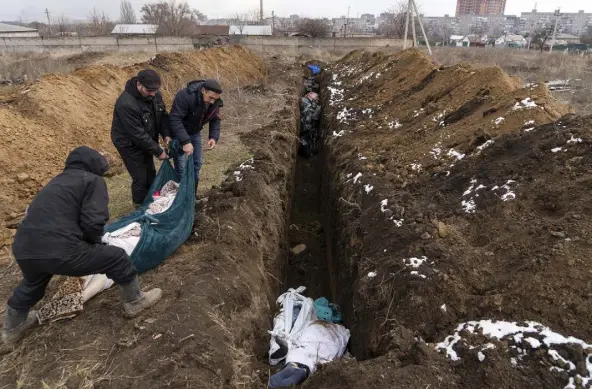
(411, 11)
(48, 21)
(554, 31)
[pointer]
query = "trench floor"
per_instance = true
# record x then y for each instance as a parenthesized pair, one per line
(308, 268)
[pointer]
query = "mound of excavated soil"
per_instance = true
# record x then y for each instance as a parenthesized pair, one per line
(49, 118)
(457, 195)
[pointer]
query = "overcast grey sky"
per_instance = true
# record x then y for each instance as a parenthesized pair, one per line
(30, 10)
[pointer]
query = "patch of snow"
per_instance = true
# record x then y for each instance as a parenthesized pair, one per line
(469, 206)
(367, 111)
(417, 112)
(398, 223)
(485, 145)
(414, 262)
(383, 205)
(436, 151)
(529, 123)
(368, 188)
(339, 134)
(529, 129)
(525, 104)
(443, 307)
(416, 167)
(438, 119)
(371, 274)
(455, 154)
(247, 165)
(361, 157)
(416, 273)
(394, 125)
(343, 115)
(556, 149)
(499, 121)
(357, 177)
(336, 95)
(526, 337)
(480, 356)
(575, 140)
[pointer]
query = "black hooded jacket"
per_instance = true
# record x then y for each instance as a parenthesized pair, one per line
(137, 122)
(72, 208)
(189, 114)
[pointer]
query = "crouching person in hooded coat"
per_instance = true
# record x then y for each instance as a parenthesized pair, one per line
(61, 235)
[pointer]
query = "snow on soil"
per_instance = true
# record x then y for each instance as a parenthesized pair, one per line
(524, 339)
(485, 145)
(383, 209)
(469, 205)
(247, 165)
(394, 125)
(415, 264)
(525, 104)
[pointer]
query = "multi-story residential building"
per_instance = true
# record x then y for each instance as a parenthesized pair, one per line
(570, 23)
(480, 7)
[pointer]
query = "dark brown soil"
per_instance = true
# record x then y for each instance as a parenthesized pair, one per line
(501, 233)
(526, 258)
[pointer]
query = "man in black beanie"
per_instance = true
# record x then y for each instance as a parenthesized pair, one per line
(139, 117)
(194, 106)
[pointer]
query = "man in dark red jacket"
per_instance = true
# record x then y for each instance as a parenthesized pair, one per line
(195, 106)
(61, 234)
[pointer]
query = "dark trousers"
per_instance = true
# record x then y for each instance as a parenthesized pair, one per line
(140, 166)
(88, 259)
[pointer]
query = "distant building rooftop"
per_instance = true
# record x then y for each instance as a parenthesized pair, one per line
(250, 30)
(135, 29)
(12, 28)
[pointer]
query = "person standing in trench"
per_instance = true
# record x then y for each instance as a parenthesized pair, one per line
(139, 117)
(194, 106)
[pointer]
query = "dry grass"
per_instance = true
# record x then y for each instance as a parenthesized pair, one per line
(532, 66)
(30, 66)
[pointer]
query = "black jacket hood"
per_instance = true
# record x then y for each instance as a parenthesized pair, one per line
(131, 87)
(90, 160)
(195, 85)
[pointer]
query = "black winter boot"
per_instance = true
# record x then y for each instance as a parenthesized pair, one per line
(135, 301)
(16, 324)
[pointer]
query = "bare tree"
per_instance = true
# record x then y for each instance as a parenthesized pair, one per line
(98, 24)
(281, 26)
(587, 36)
(541, 37)
(61, 24)
(174, 18)
(316, 28)
(394, 27)
(128, 15)
(155, 13)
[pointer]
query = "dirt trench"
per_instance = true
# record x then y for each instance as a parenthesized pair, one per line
(399, 231)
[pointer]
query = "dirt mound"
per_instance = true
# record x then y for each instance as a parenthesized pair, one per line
(454, 199)
(210, 329)
(61, 111)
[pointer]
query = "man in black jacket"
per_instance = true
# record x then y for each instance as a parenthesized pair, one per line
(139, 117)
(61, 234)
(195, 106)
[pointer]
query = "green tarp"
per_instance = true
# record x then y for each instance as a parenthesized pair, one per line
(164, 233)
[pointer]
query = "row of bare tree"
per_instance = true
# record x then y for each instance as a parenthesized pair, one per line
(174, 18)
